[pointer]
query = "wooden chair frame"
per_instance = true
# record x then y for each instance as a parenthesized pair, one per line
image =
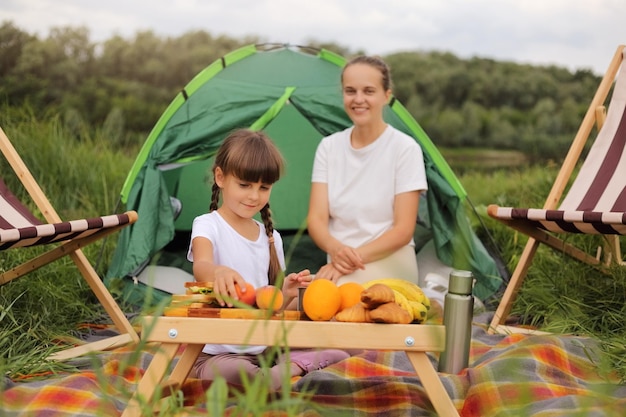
(595, 115)
(71, 248)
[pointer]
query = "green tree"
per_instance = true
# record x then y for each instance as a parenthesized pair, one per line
(121, 86)
(12, 41)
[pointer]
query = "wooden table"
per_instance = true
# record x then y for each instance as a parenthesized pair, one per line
(191, 333)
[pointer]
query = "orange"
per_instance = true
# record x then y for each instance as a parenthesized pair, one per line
(321, 300)
(350, 294)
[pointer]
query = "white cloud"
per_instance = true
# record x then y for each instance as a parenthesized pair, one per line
(571, 33)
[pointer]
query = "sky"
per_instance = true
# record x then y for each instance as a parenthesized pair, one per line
(575, 34)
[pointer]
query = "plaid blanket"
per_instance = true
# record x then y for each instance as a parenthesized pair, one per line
(514, 375)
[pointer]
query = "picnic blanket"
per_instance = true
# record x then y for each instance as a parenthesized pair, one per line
(509, 375)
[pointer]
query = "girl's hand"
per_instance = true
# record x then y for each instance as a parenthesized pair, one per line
(294, 281)
(224, 285)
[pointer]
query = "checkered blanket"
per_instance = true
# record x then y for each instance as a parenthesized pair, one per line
(515, 375)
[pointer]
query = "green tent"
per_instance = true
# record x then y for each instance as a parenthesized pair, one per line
(294, 94)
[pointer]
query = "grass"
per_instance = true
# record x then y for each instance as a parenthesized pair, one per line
(470, 159)
(82, 176)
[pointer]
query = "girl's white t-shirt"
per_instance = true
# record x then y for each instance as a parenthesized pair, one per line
(362, 183)
(249, 258)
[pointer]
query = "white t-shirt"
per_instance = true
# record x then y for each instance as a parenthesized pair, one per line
(251, 259)
(362, 183)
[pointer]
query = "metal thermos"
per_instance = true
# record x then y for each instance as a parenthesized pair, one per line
(457, 318)
(300, 297)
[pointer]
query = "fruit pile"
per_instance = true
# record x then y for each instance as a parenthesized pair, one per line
(386, 300)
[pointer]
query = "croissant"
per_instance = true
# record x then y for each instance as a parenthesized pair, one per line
(355, 314)
(390, 313)
(376, 295)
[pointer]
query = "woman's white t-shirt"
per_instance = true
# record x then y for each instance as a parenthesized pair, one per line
(362, 183)
(249, 258)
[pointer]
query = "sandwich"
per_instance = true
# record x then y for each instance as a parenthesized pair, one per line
(199, 287)
(196, 293)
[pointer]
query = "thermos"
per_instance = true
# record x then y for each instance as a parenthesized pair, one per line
(457, 318)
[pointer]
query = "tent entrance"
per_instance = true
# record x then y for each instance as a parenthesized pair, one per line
(296, 138)
(191, 185)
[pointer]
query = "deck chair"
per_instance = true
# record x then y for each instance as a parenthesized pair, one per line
(595, 202)
(20, 228)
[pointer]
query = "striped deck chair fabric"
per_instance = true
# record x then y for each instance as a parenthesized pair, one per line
(595, 202)
(20, 228)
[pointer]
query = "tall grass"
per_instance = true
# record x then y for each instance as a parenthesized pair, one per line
(52, 301)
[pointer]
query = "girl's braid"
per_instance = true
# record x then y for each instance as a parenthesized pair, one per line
(274, 268)
(215, 196)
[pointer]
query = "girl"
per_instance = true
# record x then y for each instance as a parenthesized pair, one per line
(228, 247)
(366, 185)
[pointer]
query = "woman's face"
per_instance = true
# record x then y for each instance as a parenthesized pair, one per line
(363, 94)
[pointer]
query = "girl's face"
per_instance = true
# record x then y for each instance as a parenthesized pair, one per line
(242, 198)
(363, 94)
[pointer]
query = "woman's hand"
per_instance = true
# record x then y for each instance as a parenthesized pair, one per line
(329, 272)
(346, 259)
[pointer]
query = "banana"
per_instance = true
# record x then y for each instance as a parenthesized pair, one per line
(403, 302)
(419, 311)
(409, 289)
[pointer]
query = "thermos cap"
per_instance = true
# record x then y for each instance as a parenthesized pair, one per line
(461, 282)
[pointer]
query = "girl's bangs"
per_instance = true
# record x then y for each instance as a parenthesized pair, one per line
(257, 166)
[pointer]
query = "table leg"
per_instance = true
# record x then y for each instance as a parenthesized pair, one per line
(183, 366)
(153, 376)
(432, 384)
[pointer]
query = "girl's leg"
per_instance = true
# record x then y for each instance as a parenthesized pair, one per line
(278, 374)
(230, 366)
(303, 361)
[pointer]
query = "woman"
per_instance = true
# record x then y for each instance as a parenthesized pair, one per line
(366, 185)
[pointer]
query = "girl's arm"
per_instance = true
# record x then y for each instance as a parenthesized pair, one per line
(205, 270)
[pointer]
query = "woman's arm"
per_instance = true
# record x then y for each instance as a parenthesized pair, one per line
(405, 211)
(344, 258)
(317, 218)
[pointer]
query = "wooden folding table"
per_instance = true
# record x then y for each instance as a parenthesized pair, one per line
(192, 333)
